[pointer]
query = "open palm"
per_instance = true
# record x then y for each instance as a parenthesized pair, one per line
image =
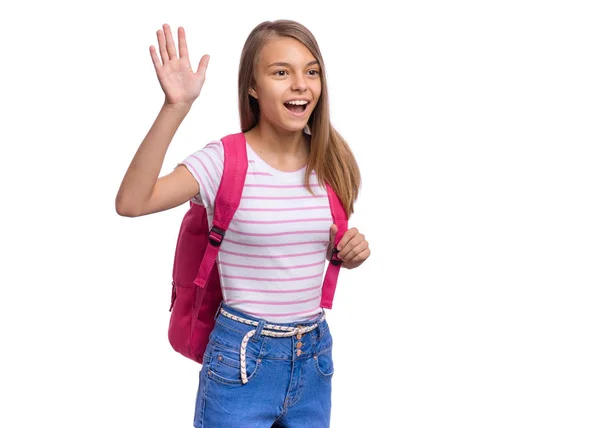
(178, 81)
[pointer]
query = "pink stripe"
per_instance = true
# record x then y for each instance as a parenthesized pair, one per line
(297, 232)
(300, 220)
(250, 278)
(217, 168)
(198, 176)
(318, 207)
(260, 173)
(287, 244)
(217, 144)
(281, 198)
(262, 302)
(272, 267)
(281, 186)
(207, 173)
(282, 315)
(252, 290)
(218, 149)
(265, 256)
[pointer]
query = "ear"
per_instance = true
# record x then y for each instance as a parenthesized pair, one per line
(252, 93)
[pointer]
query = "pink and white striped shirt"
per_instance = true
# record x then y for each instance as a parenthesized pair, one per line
(272, 259)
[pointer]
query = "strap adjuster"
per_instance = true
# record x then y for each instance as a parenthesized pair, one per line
(335, 260)
(215, 236)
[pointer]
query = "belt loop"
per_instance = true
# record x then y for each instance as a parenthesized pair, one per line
(258, 330)
(218, 310)
(320, 330)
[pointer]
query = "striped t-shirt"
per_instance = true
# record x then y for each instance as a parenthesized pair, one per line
(272, 259)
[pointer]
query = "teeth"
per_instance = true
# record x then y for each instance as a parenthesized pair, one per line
(297, 103)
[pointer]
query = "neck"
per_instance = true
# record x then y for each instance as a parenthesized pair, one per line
(265, 138)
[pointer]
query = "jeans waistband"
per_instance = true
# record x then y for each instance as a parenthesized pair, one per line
(241, 314)
(256, 327)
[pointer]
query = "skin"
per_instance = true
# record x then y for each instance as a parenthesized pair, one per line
(278, 137)
(287, 70)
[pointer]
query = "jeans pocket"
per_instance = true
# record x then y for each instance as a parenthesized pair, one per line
(224, 366)
(324, 363)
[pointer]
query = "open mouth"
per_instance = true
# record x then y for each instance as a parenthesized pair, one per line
(296, 107)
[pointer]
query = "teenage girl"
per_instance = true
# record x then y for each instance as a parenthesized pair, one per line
(272, 259)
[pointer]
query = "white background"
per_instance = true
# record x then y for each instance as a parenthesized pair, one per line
(476, 127)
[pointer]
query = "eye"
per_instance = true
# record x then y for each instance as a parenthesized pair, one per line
(313, 72)
(280, 73)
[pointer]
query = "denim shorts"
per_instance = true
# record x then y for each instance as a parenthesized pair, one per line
(289, 379)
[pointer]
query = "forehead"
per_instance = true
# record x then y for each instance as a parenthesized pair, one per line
(284, 49)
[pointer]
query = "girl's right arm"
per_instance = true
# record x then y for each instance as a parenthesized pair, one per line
(142, 191)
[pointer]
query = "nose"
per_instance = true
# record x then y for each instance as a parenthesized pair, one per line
(299, 83)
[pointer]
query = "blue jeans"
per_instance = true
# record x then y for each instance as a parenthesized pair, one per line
(285, 388)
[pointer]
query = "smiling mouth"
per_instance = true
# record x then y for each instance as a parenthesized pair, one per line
(296, 109)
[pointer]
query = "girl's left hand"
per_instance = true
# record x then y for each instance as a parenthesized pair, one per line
(353, 248)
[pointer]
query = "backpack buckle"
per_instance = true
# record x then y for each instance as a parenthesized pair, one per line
(335, 260)
(215, 236)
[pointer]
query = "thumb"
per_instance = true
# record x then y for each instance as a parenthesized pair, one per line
(332, 232)
(202, 65)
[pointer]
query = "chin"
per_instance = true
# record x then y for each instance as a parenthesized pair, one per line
(295, 128)
(292, 125)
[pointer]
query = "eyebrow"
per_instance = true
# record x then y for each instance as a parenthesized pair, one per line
(287, 64)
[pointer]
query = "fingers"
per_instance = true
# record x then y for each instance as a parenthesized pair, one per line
(166, 44)
(155, 59)
(352, 250)
(171, 50)
(348, 236)
(162, 46)
(183, 49)
(359, 259)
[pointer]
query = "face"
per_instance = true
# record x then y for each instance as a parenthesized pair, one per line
(287, 83)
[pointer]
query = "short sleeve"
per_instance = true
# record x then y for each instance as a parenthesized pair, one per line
(206, 165)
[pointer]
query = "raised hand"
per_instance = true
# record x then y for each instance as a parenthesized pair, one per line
(178, 81)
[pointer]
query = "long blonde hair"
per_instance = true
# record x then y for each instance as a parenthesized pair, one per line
(330, 156)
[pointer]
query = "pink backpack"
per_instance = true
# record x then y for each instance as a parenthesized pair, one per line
(196, 293)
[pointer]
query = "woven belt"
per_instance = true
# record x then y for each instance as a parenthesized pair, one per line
(282, 331)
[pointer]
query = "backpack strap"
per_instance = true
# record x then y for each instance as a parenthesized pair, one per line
(227, 201)
(340, 219)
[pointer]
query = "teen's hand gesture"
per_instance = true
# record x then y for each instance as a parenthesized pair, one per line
(178, 81)
(353, 247)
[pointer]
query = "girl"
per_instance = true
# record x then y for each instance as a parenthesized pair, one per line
(270, 281)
